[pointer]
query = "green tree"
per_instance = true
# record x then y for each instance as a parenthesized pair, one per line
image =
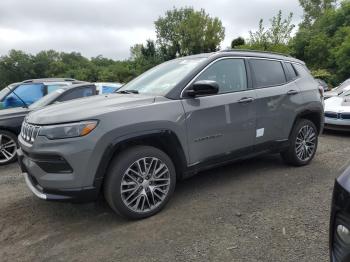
(324, 43)
(185, 31)
(314, 9)
(275, 38)
(237, 42)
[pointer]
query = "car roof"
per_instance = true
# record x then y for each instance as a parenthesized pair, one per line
(42, 80)
(245, 53)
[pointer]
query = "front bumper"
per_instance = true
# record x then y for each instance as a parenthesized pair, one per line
(337, 124)
(83, 194)
(340, 215)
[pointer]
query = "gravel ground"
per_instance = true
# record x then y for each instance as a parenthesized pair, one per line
(256, 210)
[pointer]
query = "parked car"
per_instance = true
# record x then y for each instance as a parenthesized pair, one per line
(323, 84)
(11, 119)
(183, 116)
(345, 86)
(107, 87)
(339, 231)
(29, 91)
(337, 112)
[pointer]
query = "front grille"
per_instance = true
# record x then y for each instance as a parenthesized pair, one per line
(331, 115)
(29, 132)
(344, 116)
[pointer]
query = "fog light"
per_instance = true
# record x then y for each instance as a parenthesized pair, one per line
(344, 233)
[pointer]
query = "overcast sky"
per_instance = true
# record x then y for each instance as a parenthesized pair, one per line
(110, 27)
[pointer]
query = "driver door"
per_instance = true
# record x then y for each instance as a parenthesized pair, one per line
(220, 124)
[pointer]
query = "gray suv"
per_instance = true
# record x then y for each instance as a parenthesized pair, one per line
(181, 117)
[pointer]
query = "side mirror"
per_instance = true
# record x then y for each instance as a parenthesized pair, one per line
(203, 87)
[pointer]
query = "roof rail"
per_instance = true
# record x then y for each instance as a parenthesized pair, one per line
(255, 51)
(28, 81)
(69, 79)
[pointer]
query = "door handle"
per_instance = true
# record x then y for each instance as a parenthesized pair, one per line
(246, 100)
(292, 92)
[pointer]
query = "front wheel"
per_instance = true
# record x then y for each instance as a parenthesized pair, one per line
(302, 143)
(140, 182)
(8, 147)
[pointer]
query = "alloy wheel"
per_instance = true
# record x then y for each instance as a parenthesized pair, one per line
(8, 148)
(305, 143)
(145, 184)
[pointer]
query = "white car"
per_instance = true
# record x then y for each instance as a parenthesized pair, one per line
(337, 112)
(343, 87)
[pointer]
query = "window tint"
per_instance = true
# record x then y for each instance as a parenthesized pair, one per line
(230, 74)
(302, 70)
(77, 93)
(28, 93)
(267, 73)
(54, 87)
(108, 89)
(291, 71)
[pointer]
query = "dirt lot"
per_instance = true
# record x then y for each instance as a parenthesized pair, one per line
(257, 210)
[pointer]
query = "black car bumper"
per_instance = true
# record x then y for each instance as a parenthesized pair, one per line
(69, 195)
(340, 216)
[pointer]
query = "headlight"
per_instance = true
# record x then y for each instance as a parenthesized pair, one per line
(68, 130)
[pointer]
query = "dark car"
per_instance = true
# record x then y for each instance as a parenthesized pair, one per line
(11, 119)
(340, 219)
(29, 91)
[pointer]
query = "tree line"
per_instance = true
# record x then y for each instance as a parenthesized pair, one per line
(322, 40)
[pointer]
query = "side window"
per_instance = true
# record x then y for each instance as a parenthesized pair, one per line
(267, 73)
(54, 87)
(230, 74)
(302, 71)
(108, 89)
(291, 71)
(77, 93)
(28, 93)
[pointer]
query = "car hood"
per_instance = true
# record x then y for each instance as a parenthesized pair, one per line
(337, 104)
(330, 93)
(13, 112)
(86, 108)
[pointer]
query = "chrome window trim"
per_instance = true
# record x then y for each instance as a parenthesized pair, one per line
(231, 57)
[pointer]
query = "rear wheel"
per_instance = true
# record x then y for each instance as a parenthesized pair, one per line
(8, 147)
(302, 143)
(140, 182)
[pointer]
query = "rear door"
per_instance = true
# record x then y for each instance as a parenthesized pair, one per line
(221, 124)
(276, 98)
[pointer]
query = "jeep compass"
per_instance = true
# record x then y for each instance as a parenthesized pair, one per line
(181, 117)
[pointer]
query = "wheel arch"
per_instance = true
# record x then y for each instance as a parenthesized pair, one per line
(315, 116)
(165, 140)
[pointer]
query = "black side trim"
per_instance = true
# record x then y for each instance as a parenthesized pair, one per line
(172, 147)
(238, 155)
(50, 163)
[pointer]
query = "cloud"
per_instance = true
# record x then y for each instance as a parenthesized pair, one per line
(110, 28)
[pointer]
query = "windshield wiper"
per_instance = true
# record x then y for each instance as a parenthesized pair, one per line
(127, 92)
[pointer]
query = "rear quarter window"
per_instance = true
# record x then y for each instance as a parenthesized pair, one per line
(267, 73)
(302, 71)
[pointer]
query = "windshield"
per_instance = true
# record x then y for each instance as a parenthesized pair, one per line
(161, 79)
(345, 84)
(47, 99)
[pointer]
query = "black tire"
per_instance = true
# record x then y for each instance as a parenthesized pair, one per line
(115, 174)
(7, 135)
(290, 155)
